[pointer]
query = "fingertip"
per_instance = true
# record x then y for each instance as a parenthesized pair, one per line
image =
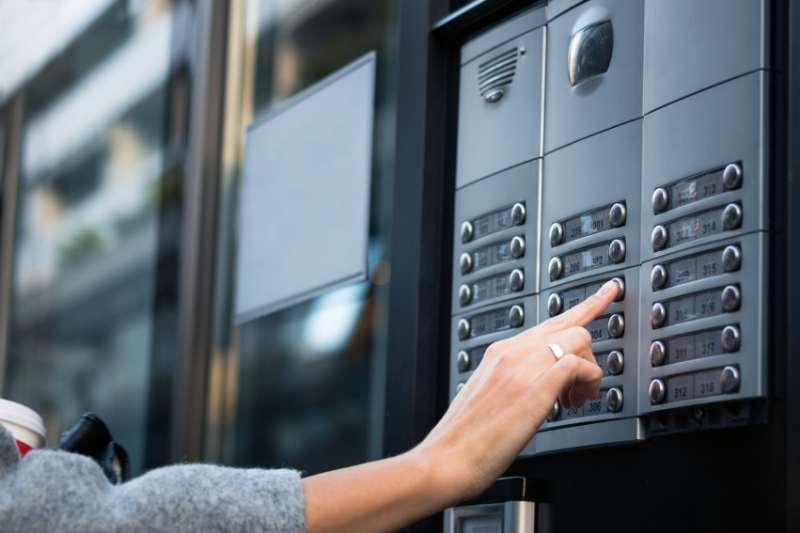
(609, 289)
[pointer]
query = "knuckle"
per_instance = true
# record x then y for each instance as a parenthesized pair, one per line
(571, 361)
(502, 361)
(583, 335)
(494, 350)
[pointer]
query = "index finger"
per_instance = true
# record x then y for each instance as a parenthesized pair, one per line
(587, 310)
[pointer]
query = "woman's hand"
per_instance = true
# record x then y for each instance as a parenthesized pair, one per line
(487, 425)
(510, 394)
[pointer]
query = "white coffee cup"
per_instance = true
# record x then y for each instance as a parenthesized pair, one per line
(25, 425)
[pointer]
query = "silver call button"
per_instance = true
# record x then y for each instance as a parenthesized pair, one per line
(660, 200)
(463, 329)
(464, 295)
(616, 325)
(615, 362)
(467, 231)
(732, 176)
(658, 315)
(516, 280)
(657, 391)
(732, 216)
(730, 339)
(556, 234)
(659, 237)
(729, 379)
(462, 361)
(731, 258)
(465, 263)
(555, 268)
(616, 251)
(518, 213)
(554, 304)
(731, 298)
(517, 247)
(621, 292)
(658, 353)
(614, 399)
(658, 277)
(617, 214)
(516, 316)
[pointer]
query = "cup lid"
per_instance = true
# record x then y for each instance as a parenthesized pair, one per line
(17, 413)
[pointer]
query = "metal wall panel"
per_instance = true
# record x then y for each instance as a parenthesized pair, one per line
(691, 45)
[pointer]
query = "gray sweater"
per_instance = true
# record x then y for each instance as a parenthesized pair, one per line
(52, 490)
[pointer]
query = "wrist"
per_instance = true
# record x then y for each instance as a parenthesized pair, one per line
(437, 474)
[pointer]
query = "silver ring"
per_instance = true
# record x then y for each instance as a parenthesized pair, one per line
(557, 351)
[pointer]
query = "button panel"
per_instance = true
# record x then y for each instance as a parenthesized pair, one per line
(597, 229)
(704, 318)
(494, 263)
(704, 164)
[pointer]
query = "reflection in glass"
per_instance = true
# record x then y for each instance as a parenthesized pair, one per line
(92, 189)
(306, 384)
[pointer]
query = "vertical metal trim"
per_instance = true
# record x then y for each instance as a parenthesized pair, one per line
(198, 237)
(792, 248)
(8, 224)
(540, 183)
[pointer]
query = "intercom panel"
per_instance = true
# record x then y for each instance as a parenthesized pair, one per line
(594, 70)
(500, 99)
(704, 163)
(691, 45)
(495, 254)
(590, 218)
(653, 171)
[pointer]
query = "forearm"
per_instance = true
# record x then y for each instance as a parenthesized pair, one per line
(382, 495)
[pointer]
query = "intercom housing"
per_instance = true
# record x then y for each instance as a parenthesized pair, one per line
(594, 145)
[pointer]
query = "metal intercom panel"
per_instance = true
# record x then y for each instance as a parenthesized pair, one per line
(594, 70)
(500, 99)
(652, 168)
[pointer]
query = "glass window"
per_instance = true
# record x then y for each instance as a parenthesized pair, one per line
(93, 298)
(305, 386)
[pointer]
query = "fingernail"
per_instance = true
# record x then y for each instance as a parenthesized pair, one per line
(609, 286)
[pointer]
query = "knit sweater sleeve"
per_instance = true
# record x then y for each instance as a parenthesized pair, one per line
(51, 490)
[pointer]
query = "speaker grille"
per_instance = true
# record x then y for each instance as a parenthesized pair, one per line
(496, 73)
